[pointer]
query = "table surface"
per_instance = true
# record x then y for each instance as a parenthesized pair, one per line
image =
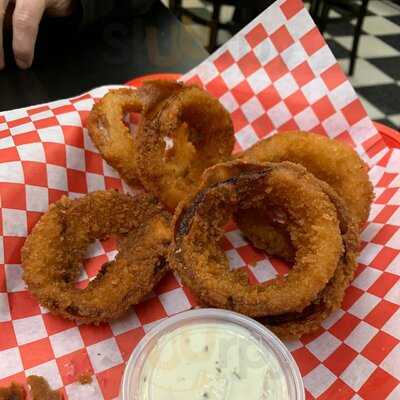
(67, 64)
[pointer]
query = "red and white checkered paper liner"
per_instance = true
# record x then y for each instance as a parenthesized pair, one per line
(277, 74)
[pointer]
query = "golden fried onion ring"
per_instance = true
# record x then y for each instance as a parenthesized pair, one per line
(108, 131)
(178, 139)
(313, 226)
(53, 252)
(295, 325)
(329, 160)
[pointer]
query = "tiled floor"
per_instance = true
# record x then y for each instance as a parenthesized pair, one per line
(377, 74)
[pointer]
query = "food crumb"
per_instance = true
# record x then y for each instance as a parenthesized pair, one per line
(85, 378)
(13, 392)
(40, 389)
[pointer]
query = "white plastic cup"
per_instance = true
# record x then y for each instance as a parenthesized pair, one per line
(132, 374)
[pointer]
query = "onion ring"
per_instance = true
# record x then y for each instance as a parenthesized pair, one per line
(109, 133)
(108, 130)
(329, 160)
(314, 230)
(178, 139)
(295, 325)
(52, 254)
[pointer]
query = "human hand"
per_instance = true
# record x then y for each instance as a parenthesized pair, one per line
(26, 18)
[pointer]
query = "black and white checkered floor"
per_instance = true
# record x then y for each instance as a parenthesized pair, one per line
(377, 74)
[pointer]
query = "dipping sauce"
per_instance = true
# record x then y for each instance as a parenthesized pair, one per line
(211, 354)
(214, 361)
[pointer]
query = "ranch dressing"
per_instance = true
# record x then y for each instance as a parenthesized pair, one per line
(214, 361)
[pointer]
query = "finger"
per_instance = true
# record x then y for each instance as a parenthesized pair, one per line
(26, 19)
(3, 8)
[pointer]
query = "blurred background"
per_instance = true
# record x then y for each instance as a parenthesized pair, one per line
(364, 35)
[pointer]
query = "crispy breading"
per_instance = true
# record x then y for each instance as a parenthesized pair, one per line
(227, 188)
(178, 139)
(295, 325)
(53, 252)
(329, 160)
(40, 389)
(108, 130)
(109, 133)
(13, 392)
